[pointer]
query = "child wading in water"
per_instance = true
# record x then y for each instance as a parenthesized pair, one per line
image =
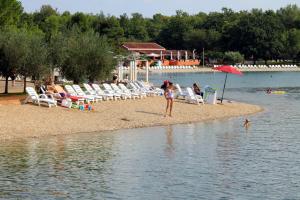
(169, 94)
(246, 123)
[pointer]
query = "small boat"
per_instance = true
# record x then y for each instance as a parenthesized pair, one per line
(278, 92)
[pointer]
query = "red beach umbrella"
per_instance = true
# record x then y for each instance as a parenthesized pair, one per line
(227, 69)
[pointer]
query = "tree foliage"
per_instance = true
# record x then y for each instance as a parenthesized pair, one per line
(256, 34)
(88, 56)
(232, 57)
(23, 52)
(10, 12)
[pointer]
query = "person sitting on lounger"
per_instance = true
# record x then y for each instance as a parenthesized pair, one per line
(115, 79)
(197, 89)
(126, 79)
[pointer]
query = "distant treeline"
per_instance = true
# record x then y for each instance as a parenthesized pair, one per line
(65, 40)
(256, 34)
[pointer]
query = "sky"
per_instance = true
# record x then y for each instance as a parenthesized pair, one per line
(150, 7)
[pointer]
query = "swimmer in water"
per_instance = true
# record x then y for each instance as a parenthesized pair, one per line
(269, 91)
(246, 123)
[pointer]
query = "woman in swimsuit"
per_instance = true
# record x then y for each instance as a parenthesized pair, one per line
(169, 94)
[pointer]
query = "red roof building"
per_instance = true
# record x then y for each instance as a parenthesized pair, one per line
(142, 46)
(155, 50)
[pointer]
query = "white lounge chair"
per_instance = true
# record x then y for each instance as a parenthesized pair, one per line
(133, 94)
(140, 88)
(119, 91)
(79, 91)
(192, 98)
(157, 91)
(38, 99)
(135, 89)
(180, 93)
(62, 94)
(72, 92)
(91, 91)
(112, 91)
(56, 96)
(106, 95)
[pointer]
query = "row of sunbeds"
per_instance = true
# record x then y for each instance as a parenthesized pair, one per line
(93, 93)
(171, 67)
(242, 66)
(264, 66)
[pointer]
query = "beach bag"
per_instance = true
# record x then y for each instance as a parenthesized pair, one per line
(74, 99)
(75, 106)
(81, 107)
(67, 103)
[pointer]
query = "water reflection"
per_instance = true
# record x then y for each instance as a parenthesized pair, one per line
(44, 168)
(170, 149)
(214, 160)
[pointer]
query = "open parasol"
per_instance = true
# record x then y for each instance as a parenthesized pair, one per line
(227, 69)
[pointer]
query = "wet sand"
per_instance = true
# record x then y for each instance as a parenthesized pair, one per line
(25, 121)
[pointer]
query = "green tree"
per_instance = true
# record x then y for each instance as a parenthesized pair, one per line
(290, 16)
(56, 51)
(10, 12)
(88, 56)
(215, 56)
(292, 44)
(80, 20)
(155, 25)
(172, 36)
(40, 17)
(137, 28)
(110, 27)
(26, 21)
(231, 57)
(13, 53)
(44, 12)
(124, 23)
(202, 38)
(36, 54)
(257, 35)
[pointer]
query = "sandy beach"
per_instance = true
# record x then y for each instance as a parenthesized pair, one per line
(23, 121)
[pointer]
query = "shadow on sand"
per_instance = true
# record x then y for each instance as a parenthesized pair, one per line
(150, 113)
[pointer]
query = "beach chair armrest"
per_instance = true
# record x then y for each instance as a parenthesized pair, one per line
(43, 96)
(50, 96)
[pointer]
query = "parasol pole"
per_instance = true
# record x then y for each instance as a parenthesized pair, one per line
(147, 71)
(224, 88)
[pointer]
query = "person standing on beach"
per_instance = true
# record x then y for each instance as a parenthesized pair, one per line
(164, 85)
(169, 95)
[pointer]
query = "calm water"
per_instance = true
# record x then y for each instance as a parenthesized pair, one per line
(214, 160)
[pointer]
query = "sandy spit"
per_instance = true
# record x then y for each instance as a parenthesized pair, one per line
(25, 121)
